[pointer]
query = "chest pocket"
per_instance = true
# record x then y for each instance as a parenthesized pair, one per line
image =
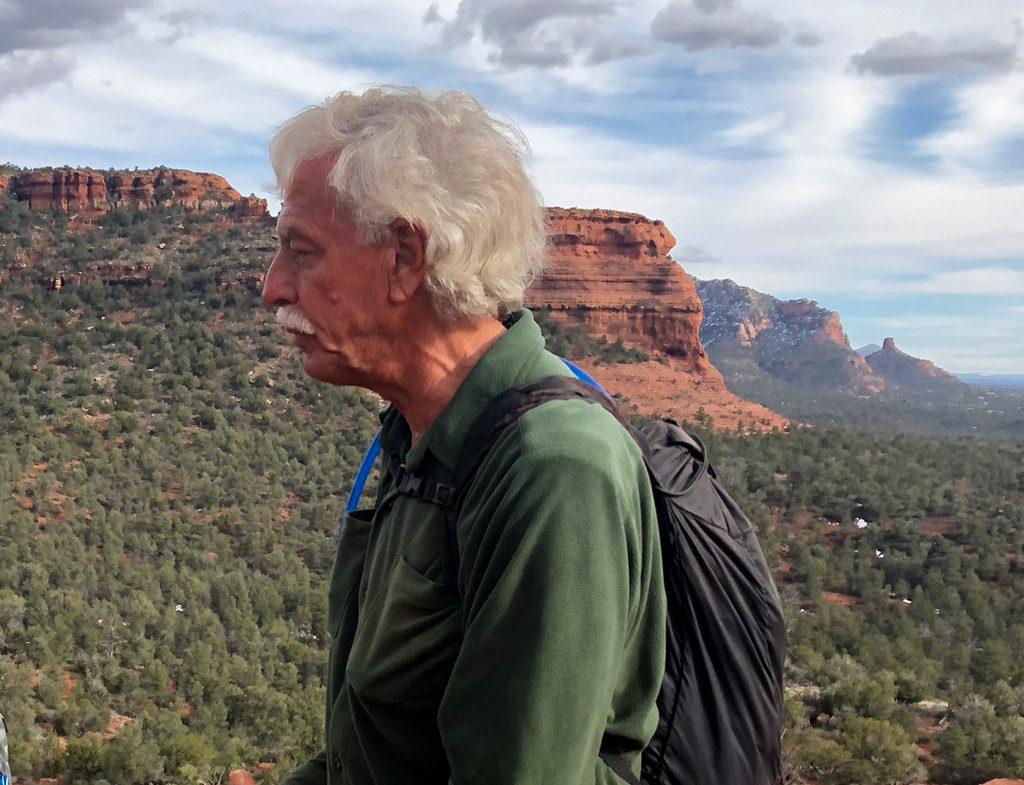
(406, 640)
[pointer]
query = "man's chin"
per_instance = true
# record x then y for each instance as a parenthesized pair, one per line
(324, 367)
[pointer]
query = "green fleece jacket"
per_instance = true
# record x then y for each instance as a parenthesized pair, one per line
(558, 639)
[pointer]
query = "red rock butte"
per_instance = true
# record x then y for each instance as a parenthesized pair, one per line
(90, 192)
(610, 274)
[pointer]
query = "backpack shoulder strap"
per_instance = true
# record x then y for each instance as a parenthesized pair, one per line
(485, 432)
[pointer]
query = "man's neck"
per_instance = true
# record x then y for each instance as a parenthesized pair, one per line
(434, 363)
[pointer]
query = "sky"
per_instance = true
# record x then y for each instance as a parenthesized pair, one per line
(866, 154)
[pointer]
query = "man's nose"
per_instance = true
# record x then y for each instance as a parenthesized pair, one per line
(278, 287)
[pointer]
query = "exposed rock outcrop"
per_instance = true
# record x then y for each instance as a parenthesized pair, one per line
(609, 273)
(251, 207)
(241, 777)
(912, 373)
(70, 190)
(89, 192)
(796, 341)
(146, 189)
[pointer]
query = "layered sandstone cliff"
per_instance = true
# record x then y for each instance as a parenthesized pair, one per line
(610, 273)
(89, 192)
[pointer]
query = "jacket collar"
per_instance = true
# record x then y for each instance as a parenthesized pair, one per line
(516, 358)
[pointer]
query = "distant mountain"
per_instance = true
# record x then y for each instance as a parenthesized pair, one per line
(912, 373)
(794, 357)
(799, 342)
(752, 334)
(870, 348)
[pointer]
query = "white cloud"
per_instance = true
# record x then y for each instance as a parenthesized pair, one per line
(693, 256)
(541, 33)
(24, 71)
(753, 129)
(987, 114)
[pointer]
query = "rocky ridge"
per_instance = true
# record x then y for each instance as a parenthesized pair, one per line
(89, 193)
(912, 373)
(796, 341)
(610, 274)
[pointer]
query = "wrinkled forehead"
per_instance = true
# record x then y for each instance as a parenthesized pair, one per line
(310, 182)
(311, 198)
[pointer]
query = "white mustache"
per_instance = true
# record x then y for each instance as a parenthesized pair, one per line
(291, 318)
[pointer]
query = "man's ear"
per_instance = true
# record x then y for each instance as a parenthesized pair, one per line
(408, 267)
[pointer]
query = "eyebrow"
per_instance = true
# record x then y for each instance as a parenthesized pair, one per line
(292, 233)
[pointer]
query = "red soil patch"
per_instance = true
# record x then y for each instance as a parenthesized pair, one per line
(839, 599)
(70, 680)
(938, 525)
(117, 722)
(655, 389)
(285, 515)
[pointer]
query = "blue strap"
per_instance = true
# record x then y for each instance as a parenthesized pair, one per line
(374, 449)
(583, 376)
(364, 472)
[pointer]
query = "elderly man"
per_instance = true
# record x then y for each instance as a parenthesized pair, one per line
(408, 233)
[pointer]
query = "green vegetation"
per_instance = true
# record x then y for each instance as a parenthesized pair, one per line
(575, 343)
(170, 489)
(900, 559)
(971, 411)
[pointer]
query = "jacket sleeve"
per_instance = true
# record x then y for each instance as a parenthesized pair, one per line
(312, 772)
(550, 571)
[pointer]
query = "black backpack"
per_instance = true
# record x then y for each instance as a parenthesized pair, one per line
(720, 703)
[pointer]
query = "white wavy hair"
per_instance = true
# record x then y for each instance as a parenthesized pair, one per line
(442, 163)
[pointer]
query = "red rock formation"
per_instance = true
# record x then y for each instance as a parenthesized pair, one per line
(146, 189)
(807, 316)
(71, 190)
(251, 207)
(88, 192)
(241, 777)
(911, 373)
(4, 181)
(653, 388)
(609, 272)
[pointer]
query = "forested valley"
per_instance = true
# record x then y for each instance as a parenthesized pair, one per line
(171, 486)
